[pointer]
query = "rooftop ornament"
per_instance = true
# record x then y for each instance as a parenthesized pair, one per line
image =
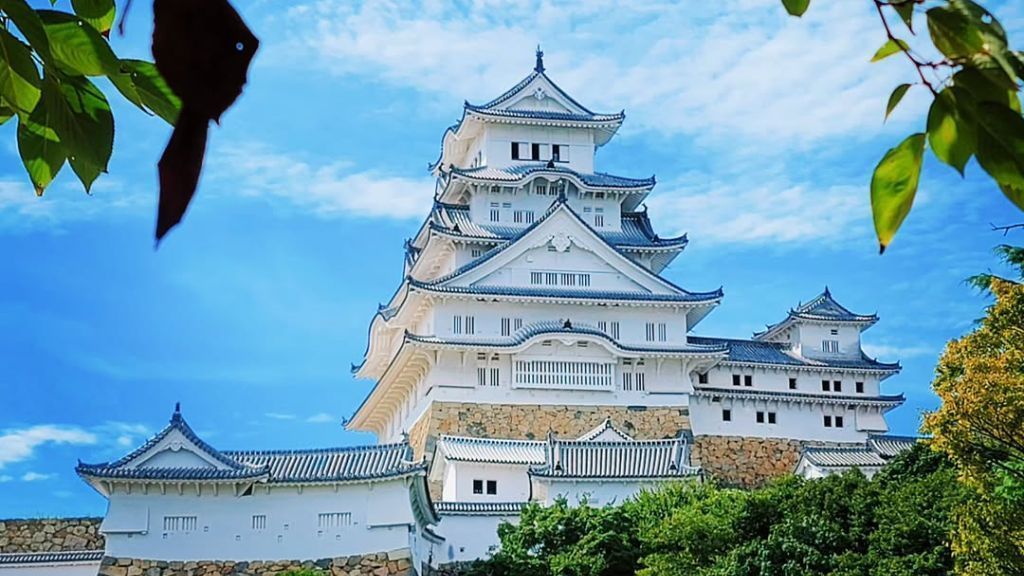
(539, 67)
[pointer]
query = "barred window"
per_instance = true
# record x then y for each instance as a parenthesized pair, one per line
(180, 523)
(333, 519)
(259, 522)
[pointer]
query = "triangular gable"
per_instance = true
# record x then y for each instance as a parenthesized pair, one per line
(176, 446)
(540, 94)
(606, 432)
(561, 229)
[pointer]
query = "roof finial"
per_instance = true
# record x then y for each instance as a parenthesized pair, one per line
(539, 68)
(177, 412)
(827, 293)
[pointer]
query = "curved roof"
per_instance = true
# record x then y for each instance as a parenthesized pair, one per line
(518, 173)
(822, 308)
(779, 354)
(636, 459)
(555, 292)
(491, 451)
(826, 398)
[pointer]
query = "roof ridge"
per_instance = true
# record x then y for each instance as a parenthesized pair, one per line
(322, 450)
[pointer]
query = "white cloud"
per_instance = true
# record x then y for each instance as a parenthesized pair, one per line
(321, 418)
(279, 416)
(35, 476)
(6, 479)
(124, 434)
(728, 212)
(739, 68)
(22, 210)
(328, 190)
(19, 445)
(893, 352)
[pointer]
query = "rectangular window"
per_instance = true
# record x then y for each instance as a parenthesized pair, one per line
(529, 216)
(627, 381)
(599, 220)
(180, 523)
(506, 204)
(771, 417)
(792, 383)
(760, 417)
(748, 380)
(825, 385)
(560, 152)
(495, 215)
(587, 209)
(551, 278)
(830, 346)
(517, 216)
(470, 325)
(333, 520)
(495, 376)
(534, 151)
(481, 376)
(584, 279)
(540, 189)
(615, 330)
(839, 421)
(650, 332)
(568, 279)
(478, 486)
(726, 415)
(828, 421)
(835, 332)
(492, 487)
(602, 325)
(563, 374)
(536, 278)
(735, 379)
(506, 326)
(641, 383)
(662, 332)
(476, 252)
(859, 386)
(515, 150)
(517, 323)
(702, 378)
(837, 386)
(456, 324)
(259, 522)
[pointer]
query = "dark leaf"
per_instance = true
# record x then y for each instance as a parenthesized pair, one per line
(76, 46)
(179, 168)
(965, 32)
(81, 117)
(889, 48)
(796, 7)
(28, 22)
(19, 77)
(894, 185)
(153, 92)
(6, 113)
(951, 131)
(98, 13)
(1001, 148)
(38, 144)
(894, 99)
(906, 12)
(988, 86)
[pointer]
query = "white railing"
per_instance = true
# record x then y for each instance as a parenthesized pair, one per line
(564, 374)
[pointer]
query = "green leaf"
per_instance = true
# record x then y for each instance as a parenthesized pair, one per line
(76, 46)
(967, 33)
(889, 48)
(894, 99)
(796, 7)
(143, 85)
(28, 22)
(6, 113)
(1001, 148)
(81, 117)
(19, 77)
(951, 132)
(99, 13)
(894, 185)
(906, 12)
(38, 144)
(988, 86)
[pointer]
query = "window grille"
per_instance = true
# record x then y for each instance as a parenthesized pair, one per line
(536, 277)
(602, 325)
(481, 376)
(333, 519)
(662, 332)
(456, 324)
(561, 373)
(476, 252)
(650, 332)
(830, 346)
(517, 323)
(180, 523)
(506, 326)
(599, 220)
(259, 522)
(470, 325)
(615, 330)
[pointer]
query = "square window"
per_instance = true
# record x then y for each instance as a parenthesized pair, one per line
(860, 387)
(792, 383)
(748, 380)
(771, 417)
(837, 386)
(839, 421)
(828, 421)
(726, 415)
(478, 486)
(735, 379)
(825, 385)
(760, 417)
(492, 487)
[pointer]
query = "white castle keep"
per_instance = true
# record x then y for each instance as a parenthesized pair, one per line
(533, 351)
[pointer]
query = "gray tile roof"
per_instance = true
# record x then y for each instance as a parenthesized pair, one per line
(890, 446)
(882, 400)
(843, 457)
(779, 354)
(492, 451)
(823, 308)
(479, 508)
(568, 293)
(638, 459)
(272, 466)
(519, 172)
(606, 426)
(585, 115)
(68, 557)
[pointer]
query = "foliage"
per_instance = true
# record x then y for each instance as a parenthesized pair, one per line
(975, 109)
(45, 81)
(897, 523)
(980, 426)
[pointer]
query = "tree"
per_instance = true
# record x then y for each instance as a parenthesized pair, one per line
(980, 426)
(975, 109)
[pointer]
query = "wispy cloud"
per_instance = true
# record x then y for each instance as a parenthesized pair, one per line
(5, 478)
(20, 445)
(328, 190)
(321, 418)
(22, 211)
(892, 352)
(35, 476)
(279, 416)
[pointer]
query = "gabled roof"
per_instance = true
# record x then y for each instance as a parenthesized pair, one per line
(270, 466)
(823, 308)
(607, 431)
(518, 173)
(637, 459)
(779, 354)
(491, 450)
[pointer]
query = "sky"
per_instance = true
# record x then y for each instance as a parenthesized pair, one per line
(762, 131)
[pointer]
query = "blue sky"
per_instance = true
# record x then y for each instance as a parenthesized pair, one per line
(762, 130)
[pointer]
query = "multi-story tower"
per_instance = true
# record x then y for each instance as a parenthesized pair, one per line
(533, 303)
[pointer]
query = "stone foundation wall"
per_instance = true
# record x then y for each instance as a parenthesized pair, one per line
(394, 563)
(745, 462)
(533, 421)
(50, 535)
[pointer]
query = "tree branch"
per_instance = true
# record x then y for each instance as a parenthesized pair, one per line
(918, 64)
(1006, 229)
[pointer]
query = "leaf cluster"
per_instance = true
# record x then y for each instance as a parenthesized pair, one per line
(48, 59)
(897, 523)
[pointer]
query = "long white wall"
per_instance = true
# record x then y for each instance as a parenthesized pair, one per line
(470, 537)
(796, 421)
(497, 144)
(71, 569)
(379, 519)
(513, 484)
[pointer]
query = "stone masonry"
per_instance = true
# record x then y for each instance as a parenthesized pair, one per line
(50, 535)
(394, 563)
(745, 462)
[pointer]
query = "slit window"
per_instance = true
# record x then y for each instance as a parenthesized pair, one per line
(259, 522)
(180, 523)
(650, 332)
(859, 387)
(748, 380)
(726, 415)
(792, 383)
(830, 346)
(615, 330)
(735, 379)
(506, 326)
(702, 377)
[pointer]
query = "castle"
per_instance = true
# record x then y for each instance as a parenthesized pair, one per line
(533, 351)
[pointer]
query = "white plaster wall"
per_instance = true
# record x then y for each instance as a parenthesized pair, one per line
(812, 335)
(76, 569)
(807, 381)
(513, 482)
(498, 146)
(381, 516)
(797, 421)
(470, 537)
(524, 196)
(597, 493)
